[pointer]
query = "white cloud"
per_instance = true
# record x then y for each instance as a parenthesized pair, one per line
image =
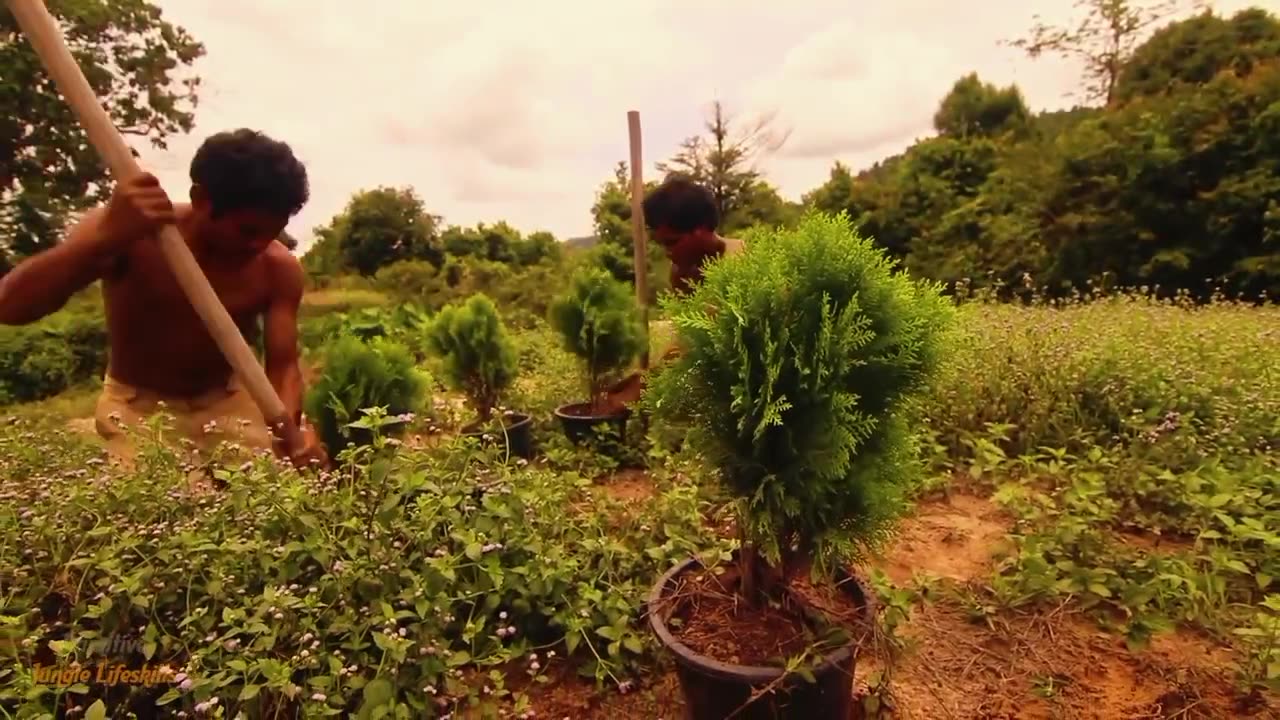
(517, 111)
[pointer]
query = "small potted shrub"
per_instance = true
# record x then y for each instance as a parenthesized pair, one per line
(480, 361)
(356, 375)
(800, 360)
(598, 320)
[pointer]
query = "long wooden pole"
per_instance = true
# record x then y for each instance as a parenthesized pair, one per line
(637, 229)
(46, 38)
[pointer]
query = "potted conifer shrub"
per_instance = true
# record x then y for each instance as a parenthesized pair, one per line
(480, 361)
(801, 357)
(357, 374)
(598, 320)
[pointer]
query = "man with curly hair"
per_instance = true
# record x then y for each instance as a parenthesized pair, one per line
(245, 187)
(683, 218)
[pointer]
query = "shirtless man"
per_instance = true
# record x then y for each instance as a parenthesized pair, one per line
(245, 188)
(684, 219)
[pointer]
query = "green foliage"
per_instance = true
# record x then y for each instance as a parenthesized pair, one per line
(404, 324)
(615, 245)
(382, 226)
(45, 358)
(479, 357)
(1195, 51)
(1178, 385)
(1134, 441)
(134, 60)
(409, 591)
(598, 321)
(500, 243)
(799, 358)
(977, 108)
(416, 280)
(1172, 185)
(358, 375)
(1131, 440)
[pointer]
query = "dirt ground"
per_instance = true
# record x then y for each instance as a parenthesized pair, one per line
(1051, 664)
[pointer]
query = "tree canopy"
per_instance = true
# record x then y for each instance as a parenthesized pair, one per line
(1174, 182)
(138, 64)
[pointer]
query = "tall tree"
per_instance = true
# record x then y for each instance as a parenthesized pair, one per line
(974, 107)
(137, 63)
(724, 160)
(385, 225)
(611, 218)
(1104, 39)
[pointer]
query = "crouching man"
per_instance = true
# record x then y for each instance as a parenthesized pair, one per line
(684, 219)
(245, 188)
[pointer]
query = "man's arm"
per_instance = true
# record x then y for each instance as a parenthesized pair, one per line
(43, 283)
(280, 328)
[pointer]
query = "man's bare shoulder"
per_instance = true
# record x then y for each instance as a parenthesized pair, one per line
(284, 270)
(733, 246)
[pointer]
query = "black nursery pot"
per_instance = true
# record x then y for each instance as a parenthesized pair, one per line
(714, 690)
(580, 424)
(516, 435)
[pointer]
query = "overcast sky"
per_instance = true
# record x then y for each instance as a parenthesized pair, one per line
(517, 110)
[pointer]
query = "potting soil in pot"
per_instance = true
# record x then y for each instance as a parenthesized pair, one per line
(716, 622)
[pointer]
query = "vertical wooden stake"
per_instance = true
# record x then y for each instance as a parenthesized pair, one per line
(637, 230)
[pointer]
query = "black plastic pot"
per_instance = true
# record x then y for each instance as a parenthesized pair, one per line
(714, 690)
(581, 425)
(516, 435)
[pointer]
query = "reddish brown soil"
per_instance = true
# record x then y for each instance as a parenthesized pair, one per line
(628, 486)
(712, 619)
(1052, 663)
(952, 538)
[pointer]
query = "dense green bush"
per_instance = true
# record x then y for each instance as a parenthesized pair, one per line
(478, 355)
(597, 318)
(799, 358)
(47, 357)
(404, 323)
(416, 280)
(356, 376)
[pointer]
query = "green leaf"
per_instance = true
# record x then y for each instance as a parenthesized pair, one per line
(238, 665)
(474, 551)
(1099, 590)
(459, 658)
(249, 692)
(607, 632)
(633, 644)
(78, 689)
(1219, 500)
(1263, 580)
(378, 692)
(96, 711)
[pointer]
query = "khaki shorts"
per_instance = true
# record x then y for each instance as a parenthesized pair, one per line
(224, 414)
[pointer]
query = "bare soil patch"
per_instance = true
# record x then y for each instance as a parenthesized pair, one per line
(628, 486)
(1055, 664)
(953, 537)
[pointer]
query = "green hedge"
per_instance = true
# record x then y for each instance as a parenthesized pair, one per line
(45, 358)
